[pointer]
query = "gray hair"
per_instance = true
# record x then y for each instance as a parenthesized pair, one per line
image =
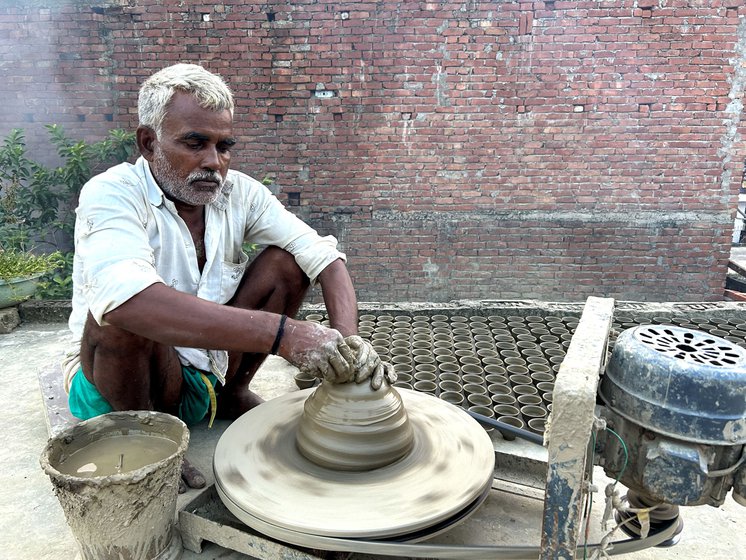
(156, 92)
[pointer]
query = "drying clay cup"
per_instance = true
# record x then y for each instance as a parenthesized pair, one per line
(452, 397)
(537, 425)
(305, 380)
(479, 400)
(529, 399)
(503, 399)
(113, 511)
(511, 421)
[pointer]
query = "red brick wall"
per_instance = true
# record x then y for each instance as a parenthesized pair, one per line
(469, 150)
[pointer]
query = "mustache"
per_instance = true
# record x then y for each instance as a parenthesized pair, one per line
(213, 176)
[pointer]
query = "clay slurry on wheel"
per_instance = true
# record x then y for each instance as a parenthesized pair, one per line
(265, 481)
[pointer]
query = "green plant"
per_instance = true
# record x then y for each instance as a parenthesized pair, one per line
(20, 264)
(58, 283)
(37, 201)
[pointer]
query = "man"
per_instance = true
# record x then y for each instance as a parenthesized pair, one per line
(168, 314)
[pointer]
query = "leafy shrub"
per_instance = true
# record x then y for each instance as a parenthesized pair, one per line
(37, 202)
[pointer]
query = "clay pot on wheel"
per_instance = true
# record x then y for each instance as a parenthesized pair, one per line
(351, 427)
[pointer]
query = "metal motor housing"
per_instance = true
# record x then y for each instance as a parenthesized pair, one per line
(677, 398)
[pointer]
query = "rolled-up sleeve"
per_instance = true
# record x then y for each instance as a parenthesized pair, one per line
(112, 247)
(272, 224)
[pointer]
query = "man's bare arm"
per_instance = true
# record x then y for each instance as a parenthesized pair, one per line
(174, 318)
(339, 298)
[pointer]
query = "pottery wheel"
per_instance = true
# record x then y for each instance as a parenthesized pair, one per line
(263, 479)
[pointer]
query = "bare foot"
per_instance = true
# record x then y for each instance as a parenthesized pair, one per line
(233, 405)
(190, 477)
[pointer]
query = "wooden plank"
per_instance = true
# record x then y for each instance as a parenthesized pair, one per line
(733, 265)
(734, 295)
(569, 430)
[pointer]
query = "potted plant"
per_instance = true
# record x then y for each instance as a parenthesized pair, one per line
(20, 272)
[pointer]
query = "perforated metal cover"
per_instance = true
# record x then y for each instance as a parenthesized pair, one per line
(691, 346)
(680, 382)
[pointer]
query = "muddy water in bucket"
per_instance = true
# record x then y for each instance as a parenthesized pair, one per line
(116, 477)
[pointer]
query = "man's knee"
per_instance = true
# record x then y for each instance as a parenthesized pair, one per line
(282, 265)
(273, 282)
(130, 371)
(112, 339)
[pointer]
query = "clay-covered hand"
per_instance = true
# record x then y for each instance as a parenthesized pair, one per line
(368, 363)
(318, 351)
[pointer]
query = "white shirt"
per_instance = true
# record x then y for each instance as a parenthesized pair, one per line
(128, 236)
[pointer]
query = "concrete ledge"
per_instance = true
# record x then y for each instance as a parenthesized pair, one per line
(45, 311)
(58, 311)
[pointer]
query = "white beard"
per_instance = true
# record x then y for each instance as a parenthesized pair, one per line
(181, 189)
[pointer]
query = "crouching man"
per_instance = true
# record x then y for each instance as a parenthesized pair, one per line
(167, 310)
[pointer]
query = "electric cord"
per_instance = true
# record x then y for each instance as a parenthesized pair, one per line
(518, 432)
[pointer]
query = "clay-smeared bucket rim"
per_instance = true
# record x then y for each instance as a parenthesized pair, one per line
(102, 424)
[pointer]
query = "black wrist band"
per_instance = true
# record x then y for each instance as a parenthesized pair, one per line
(280, 332)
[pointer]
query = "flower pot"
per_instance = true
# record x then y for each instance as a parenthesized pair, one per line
(17, 290)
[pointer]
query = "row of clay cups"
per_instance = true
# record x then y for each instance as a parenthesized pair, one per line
(459, 399)
(533, 416)
(550, 356)
(481, 356)
(550, 348)
(528, 411)
(524, 358)
(481, 348)
(538, 399)
(497, 374)
(461, 319)
(536, 425)
(439, 369)
(457, 382)
(460, 368)
(474, 393)
(532, 352)
(534, 372)
(529, 378)
(542, 329)
(497, 390)
(517, 400)
(472, 321)
(541, 345)
(495, 394)
(428, 354)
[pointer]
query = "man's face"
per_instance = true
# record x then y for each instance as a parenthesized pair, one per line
(191, 157)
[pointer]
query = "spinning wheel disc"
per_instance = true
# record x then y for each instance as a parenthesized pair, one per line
(264, 480)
